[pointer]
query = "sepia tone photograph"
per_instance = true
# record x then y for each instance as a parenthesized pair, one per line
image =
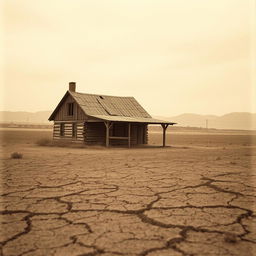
(128, 127)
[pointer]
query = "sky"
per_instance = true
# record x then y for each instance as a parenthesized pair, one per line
(173, 56)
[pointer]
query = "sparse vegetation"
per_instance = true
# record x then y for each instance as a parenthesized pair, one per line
(16, 155)
(59, 143)
(67, 143)
(134, 177)
(174, 138)
(44, 142)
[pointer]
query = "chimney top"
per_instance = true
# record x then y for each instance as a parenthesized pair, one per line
(72, 86)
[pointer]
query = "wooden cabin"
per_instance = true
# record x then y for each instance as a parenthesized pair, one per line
(102, 120)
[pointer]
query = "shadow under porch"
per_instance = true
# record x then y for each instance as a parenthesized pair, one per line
(118, 133)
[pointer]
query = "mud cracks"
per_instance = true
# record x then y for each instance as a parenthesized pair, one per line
(137, 202)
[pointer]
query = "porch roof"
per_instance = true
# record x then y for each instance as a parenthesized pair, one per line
(146, 120)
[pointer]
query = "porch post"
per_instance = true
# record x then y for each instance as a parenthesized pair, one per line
(129, 135)
(107, 133)
(164, 133)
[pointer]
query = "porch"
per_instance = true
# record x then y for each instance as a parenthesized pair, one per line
(127, 133)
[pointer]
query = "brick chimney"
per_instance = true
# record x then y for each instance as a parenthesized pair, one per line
(72, 86)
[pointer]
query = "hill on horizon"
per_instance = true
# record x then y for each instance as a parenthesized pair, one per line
(24, 117)
(234, 120)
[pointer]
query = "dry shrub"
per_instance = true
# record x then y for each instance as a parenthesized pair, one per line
(56, 143)
(60, 143)
(44, 142)
(16, 155)
(67, 143)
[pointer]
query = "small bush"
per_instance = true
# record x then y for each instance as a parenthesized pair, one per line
(59, 143)
(44, 142)
(68, 144)
(16, 155)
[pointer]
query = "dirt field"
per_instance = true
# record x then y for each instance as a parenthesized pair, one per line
(196, 197)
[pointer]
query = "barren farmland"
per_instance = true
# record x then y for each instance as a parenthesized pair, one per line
(196, 197)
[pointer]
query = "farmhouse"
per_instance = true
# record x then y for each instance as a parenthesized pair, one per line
(102, 120)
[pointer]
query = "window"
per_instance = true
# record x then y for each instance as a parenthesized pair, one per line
(74, 130)
(62, 129)
(70, 109)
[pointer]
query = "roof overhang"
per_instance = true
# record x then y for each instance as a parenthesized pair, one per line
(131, 119)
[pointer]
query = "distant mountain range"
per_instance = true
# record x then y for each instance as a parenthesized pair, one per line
(235, 120)
(24, 117)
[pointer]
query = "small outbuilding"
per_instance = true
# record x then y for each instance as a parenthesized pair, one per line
(102, 120)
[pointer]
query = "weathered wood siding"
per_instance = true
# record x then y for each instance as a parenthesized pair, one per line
(62, 113)
(80, 132)
(145, 139)
(68, 131)
(138, 134)
(119, 130)
(56, 130)
(95, 133)
(143, 134)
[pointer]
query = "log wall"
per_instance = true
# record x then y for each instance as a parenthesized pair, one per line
(68, 131)
(94, 133)
(145, 139)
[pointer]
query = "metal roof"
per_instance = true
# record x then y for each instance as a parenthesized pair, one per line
(93, 104)
(111, 108)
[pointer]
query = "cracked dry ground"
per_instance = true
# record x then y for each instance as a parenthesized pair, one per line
(153, 201)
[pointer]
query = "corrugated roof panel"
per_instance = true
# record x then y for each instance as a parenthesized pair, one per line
(109, 105)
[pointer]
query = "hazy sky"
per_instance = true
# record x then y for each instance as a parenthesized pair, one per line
(173, 56)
